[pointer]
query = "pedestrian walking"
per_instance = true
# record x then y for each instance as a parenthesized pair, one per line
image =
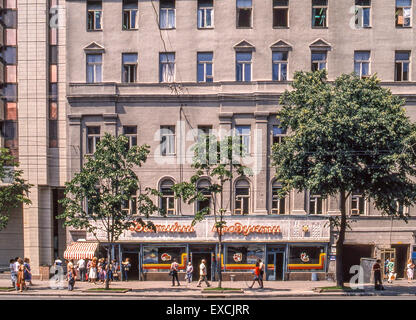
(87, 276)
(21, 276)
(256, 273)
(189, 272)
(261, 267)
(71, 276)
(82, 268)
(410, 270)
(126, 265)
(174, 268)
(116, 269)
(101, 270)
(13, 274)
(92, 276)
(203, 273)
(16, 266)
(378, 284)
(27, 271)
(392, 275)
(109, 274)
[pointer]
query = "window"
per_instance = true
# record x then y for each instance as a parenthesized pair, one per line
(131, 133)
(53, 54)
(53, 125)
(202, 187)
(280, 13)
(243, 134)
(167, 140)
(204, 67)
(205, 13)
(278, 134)
(402, 66)
(403, 13)
(129, 67)
(9, 18)
(362, 13)
(278, 203)
(362, 63)
(53, 91)
(319, 13)
(167, 67)
(93, 137)
(10, 134)
(242, 197)
(244, 11)
(94, 68)
(243, 66)
(167, 200)
(130, 15)
(203, 136)
(315, 204)
(130, 206)
(318, 60)
(401, 209)
(280, 65)
(167, 14)
(94, 15)
(357, 203)
(9, 55)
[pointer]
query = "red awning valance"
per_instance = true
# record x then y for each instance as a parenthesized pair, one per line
(81, 250)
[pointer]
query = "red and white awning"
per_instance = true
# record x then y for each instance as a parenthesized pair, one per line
(81, 250)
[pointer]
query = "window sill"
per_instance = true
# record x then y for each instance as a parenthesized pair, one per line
(281, 27)
(205, 28)
(94, 30)
(168, 28)
(399, 27)
(122, 29)
(314, 27)
(237, 27)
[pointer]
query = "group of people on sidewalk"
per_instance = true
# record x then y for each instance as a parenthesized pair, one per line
(21, 275)
(389, 266)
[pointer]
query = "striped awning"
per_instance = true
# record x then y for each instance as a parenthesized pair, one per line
(81, 250)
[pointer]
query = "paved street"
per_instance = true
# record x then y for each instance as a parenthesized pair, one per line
(163, 290)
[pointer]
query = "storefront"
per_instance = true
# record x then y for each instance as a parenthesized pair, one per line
(290, 248)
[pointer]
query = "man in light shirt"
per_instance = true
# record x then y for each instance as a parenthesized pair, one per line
(203, 274)
(82, 269)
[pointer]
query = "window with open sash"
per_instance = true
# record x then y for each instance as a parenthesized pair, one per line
(167, 14)
(402, 66)
(204, 68)
(129, 67)
(244, 13)
(130, 16)
(94, 15)
(167, 199)
(319, 13)
(318, 60)
(205, 13)
(93, 138)
(357, 203)
(167, 140)
(315, 204)
(404, 13)
(280, 65)
(130, 205)
(242, 197)
(362, 63)
(278, 203)
(280, 13)
(362, 13)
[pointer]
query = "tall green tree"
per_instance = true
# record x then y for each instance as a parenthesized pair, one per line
(221, 161)
(97, 195)
(350, 135)
(13, 188)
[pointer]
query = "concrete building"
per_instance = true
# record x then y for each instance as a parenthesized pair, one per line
(155, 70)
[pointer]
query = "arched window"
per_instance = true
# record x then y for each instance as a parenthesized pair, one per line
(203, 186)
(167, 200)
(242, 197)
(278, 203)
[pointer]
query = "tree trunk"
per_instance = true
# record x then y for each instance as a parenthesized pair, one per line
(219, 265)
(340, 242)
(107, 278)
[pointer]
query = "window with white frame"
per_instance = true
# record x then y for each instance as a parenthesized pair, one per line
(130, 205)
(93, 138)
(205, 14)
(404, 13)
(318, 60)
(205, 67)
(402, 209)
(203, 187)
(167, 140)
(280, 13)
(94, 15)
(280, 65)
(363, 13)
(357, 203)
(402, 66)
(94, 67)
(242, 197)
(167, 198)
(244, 13)
(167, 67)
(362, 63)
(315, 204)
(130, 16)
(279, 134)
(129, 61)
(243, 66)
(319, 13)
(131, 133)
(243, 134)
(278, 203)
(167, 14)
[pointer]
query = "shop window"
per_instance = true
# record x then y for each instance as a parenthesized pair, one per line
(306, 258)
(243, 66)
(244, 13)
(94, 68)
(167, 140)
(204, 68)
(319, 13)
(362, 13)
(129, 67)
(242, 197)
(357, 203)
(93, 138)
(318, 60)
(167, 200)
(167, 14)
(130, 15)
(244, 255)
(94, 15)
(278, 203)
(131, 133)
(205, 13)
(402, 66)
(315, 204)
(159, 259)
(404, 13)
(280, 13)
(280, 65)
(203, 187)
(167, 67)
(362, 63)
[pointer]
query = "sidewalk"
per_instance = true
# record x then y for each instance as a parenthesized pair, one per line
(162, 289)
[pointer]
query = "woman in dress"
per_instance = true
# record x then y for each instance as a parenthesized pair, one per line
(28, 273)
(93, 271)
(410, 270)
(256, 272)
(21, 276)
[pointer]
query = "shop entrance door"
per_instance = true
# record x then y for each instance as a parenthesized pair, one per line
(387, 255)
(133, 274)
(196, 261)
(275, 266)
